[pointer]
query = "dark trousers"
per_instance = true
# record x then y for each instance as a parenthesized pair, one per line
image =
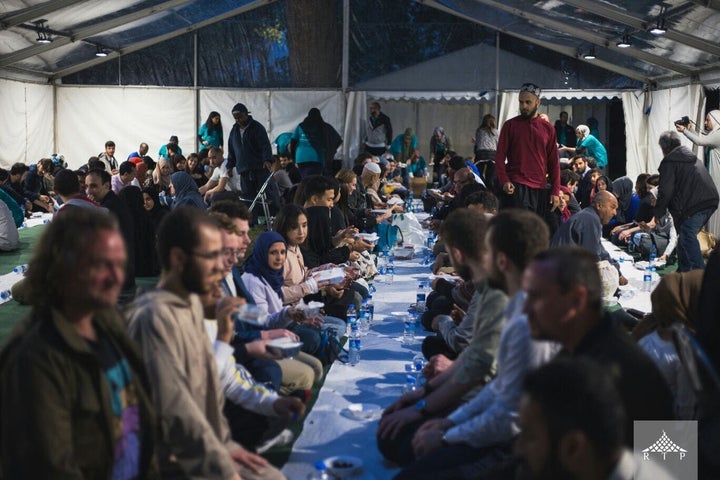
(248, 428)
(534, 199)
(456, 462)
(435, 345)
(310, 168)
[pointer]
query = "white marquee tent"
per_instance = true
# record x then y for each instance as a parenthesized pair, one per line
(41, 115)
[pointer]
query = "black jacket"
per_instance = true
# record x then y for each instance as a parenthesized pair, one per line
(250, 151)
(685, 186)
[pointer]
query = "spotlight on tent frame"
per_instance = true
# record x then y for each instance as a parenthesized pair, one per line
(101, 52)
(590, 54)
(43, 33)
(659, 28)
(625, 42)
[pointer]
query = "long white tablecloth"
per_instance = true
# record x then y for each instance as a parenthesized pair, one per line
(377, 379)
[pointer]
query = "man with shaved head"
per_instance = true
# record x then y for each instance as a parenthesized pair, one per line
(584, 229)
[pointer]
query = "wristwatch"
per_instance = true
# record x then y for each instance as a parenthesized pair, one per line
(420, 407)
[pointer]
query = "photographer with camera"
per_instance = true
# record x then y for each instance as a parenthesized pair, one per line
(710, 139)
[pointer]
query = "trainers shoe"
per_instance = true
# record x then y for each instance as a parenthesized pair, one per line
(281, 439)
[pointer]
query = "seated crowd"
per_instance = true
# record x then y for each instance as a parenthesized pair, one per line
(520, 349)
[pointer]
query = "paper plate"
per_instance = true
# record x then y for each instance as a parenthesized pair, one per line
(343, 466)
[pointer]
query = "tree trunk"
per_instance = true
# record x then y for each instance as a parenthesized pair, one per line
(314, 36)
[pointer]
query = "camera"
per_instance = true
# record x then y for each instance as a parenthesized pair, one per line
(684, 121)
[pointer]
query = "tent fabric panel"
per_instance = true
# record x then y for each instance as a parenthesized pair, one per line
(88, 117)
(289, 108)
(355, 111)
(26, 123)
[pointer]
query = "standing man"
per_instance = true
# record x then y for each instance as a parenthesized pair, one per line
(108, 157)
(378, 131)
(688, 192)
(74, 394)
(250, 154)
(528, 144)
(194, 439)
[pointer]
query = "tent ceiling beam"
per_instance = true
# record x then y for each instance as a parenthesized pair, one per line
(714, 4)
(568, 51)
(588, 36)
(33, 13)
(84, 33)
(625, 18)
(161, 38)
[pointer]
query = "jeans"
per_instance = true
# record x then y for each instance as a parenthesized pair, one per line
(688, 248)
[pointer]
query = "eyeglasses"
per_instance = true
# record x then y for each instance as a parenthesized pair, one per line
(229, 252)
(208, 255)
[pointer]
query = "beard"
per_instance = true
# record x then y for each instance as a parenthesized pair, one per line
(192, 277)
(496, 279)
(529, 114)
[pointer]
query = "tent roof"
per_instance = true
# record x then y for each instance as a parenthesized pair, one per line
(689, 49)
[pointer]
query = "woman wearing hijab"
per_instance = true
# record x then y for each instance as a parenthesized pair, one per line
(710, 139)
(263, 275)
(623, 189)
(314, 144)
(155, 210)
(592, 146)
(146, 259)
(185, 191)
(403, 146)
(161, 175)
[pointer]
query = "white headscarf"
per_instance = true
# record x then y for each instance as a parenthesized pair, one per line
(714, 119)
(584, 131)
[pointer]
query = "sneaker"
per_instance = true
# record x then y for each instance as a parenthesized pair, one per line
(280, 440)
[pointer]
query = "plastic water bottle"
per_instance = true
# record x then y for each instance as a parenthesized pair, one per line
(420, 297)
(390, 274)
(418, 362)
(653, 254)
(364, 318)
(408, 337)
(320, 472)
(5, 295)
(647, 279)
(351, 317)
(20, 268)
(409, 207)
(410, 383)
(355, 345)
(371, 308)
(382, 264)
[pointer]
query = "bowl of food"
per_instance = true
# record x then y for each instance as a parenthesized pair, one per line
(284, 347)
(343, 466)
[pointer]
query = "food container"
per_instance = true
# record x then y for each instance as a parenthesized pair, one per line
(284, 347)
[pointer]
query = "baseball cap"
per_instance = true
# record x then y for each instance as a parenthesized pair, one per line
(239, 108)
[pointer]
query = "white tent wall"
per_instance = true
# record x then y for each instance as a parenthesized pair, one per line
(89, 116)
(670, 105)
(279, 111)
(355, 113)
(26, 123)
(460, 120)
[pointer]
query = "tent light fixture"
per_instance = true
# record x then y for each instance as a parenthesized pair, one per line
(43, 32)
(659, 28)
(590, 54)
(625, 42)
(101, 51)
